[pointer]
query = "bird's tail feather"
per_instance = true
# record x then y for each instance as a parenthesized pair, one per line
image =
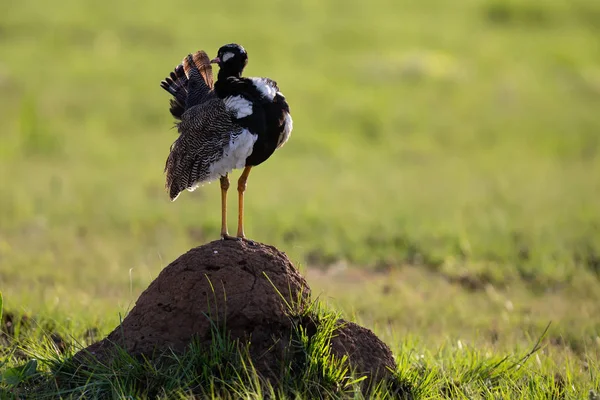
(199, 72)
(190, 83)
(201, 62)
(177, 85)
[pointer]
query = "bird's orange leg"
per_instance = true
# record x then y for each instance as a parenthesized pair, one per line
(241, 189)
(224, 187)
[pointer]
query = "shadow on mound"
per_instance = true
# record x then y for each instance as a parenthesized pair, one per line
(252, 293)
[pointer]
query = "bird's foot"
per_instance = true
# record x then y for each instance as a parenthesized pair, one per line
(229, 237)
(239, 239)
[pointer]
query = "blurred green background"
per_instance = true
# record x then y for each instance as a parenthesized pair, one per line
(450, 146)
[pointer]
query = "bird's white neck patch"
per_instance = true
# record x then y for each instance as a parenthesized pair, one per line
(239, 105)
(265, 87)
(226, 57)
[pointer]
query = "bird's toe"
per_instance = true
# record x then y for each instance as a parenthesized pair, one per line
(229, 237)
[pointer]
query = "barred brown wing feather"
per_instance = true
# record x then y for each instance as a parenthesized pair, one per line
(202, 62)
(190, 83)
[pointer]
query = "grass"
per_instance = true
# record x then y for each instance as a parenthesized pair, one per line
(224, 370)
(440, 187)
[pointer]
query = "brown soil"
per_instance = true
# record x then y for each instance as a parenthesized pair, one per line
(366, 353)
(249, 290)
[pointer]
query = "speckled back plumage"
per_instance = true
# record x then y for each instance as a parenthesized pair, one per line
(206, 127)
(205, 131)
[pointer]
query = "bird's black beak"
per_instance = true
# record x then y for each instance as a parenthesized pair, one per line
(215, 60)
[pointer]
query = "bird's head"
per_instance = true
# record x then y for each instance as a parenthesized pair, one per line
(232, 59)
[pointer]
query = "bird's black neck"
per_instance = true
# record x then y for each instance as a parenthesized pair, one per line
(225, 73)
(224, 86)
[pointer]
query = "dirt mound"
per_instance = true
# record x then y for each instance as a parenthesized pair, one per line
(250, 291)
(366, 353)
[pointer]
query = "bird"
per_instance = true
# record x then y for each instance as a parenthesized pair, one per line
(234, 123)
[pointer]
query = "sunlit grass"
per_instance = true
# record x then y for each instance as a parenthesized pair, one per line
(38, 363)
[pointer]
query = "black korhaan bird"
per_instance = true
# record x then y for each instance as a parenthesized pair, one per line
(236, 122)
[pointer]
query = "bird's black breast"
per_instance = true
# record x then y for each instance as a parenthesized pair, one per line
(275, 112)
(234, 87)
